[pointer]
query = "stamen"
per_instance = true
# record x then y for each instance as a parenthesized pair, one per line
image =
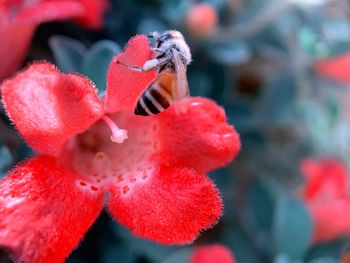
(118, 135)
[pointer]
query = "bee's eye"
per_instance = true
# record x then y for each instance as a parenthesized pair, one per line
(159, 43)
(165, 37)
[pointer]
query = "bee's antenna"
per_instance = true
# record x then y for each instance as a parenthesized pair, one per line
(135, 68)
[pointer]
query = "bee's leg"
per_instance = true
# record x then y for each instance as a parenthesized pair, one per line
(134, 68)
(149, 65)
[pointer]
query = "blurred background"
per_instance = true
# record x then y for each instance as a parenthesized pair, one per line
(281, 70)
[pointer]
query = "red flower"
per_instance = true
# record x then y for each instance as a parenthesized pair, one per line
(326, 194)
(94, 11)
(213, 253)
(337, 68)
(201, 20)
(19, 20)
(153, 183)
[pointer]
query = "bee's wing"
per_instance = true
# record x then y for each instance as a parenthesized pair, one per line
(180, 86)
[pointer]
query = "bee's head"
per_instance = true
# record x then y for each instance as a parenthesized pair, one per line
(174, 39)
(171, 34)
(175, 34)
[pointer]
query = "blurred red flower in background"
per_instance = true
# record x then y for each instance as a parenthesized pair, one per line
(337, 68)
(153, 183)
(212, 254)
(326, 194)
(201, 20)
(19, 20)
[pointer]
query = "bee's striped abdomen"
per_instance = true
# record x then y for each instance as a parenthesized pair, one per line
(154, 100)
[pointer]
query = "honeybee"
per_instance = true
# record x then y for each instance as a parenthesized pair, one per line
(171, 57)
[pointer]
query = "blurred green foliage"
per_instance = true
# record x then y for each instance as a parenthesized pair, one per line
(72, 56)
(5, 160)
(292, 228)
(257, 65)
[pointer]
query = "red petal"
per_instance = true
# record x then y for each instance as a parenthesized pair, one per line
(337, 68)
(48, 107)
(213, 253)
(170, 205)
(331, 220)
(124, 86)
(94, 13)
(15, 40)
(325, 179)
(43, 213)
(50, 11)
(200, 138)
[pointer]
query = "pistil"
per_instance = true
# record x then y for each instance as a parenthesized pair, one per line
(118, 135)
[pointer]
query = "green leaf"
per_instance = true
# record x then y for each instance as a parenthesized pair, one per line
(278, 98)
(179, 256)
(333, 109)
(174, 11)
(262, 205)
(200, 84)
(316, 119)
(292, 228)
(112, 253)
(307, 38)
(324, 260)
(229, 53)
(238, 241)
(24, 152)
(326, 38)
(5, 160)
(68, 53)
(252, 10)
(241, 114)
(217, 4)
(151, 24)
(96, 62)
(333, 249)
(281, 258)
(151, 250)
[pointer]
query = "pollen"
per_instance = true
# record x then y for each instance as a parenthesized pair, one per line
(132, 179)
(120, 178)
(125, 189)
(93, 188)
(144, 175)
(118, 135)
(100, 156)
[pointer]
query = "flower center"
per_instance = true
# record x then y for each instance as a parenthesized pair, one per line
(104, 162)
